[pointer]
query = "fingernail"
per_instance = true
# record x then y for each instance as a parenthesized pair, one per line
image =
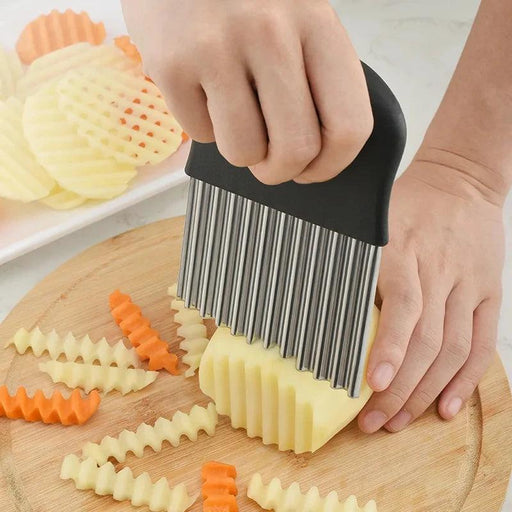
(373, 421)
(301, 180)
(454, 406)
(400, 421)
(382, 376)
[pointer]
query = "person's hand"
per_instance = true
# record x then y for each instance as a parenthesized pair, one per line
(440, 286)
(276, 83)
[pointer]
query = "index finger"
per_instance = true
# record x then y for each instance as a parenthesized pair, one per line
(400, 312)
(340, 93)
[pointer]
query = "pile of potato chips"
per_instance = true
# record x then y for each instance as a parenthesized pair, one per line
(80, 118)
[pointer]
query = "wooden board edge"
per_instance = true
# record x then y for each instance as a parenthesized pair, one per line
(495, 460)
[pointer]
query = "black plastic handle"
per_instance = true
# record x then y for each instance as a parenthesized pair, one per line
(354, 203)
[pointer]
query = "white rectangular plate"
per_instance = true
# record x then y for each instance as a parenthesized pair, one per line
(24, 227)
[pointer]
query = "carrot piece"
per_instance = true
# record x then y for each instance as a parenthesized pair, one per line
(157, 354)
(219, 488)
(125, 44)
(74, 410)
(184, 137)
(55, 30)
(138, 328)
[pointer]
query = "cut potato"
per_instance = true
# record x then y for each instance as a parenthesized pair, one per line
(66, 156)
(10, 73)
(292, 499)
(60, 199)
(122, 115)
(53, 66)
(266, 395)
(22, 178)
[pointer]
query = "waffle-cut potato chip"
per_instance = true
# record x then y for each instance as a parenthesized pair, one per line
(119, 113)
(21, 176)
(10, 73)
(55, 30)
(60, 199)
(125, 44)
(67, 156)
(53, 65)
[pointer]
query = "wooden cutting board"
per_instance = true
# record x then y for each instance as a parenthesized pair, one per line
(433, 466)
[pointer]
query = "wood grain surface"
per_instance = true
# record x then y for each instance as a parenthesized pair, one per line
(433, 466)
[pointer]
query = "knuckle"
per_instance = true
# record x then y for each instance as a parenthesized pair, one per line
(484, 349)
(422, 398)
(265, 20)
(410, 301)
(394, 349)
(267, 176)
(241, 157)
(458, 349)
(199, 129)
(397, 396)
(444, 265)
(430, 343)
(296, 154)
(161, 76)
(206, 44)
(355, 133)
(469, 380)
(203, 135)
(301, 152)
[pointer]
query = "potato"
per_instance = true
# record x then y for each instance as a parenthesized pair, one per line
(266, 395)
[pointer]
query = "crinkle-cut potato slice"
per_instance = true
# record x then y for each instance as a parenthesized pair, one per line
(193, 331)
(123, 115)
(274, 497)
(164, 430)
(266, 395)
(55, 30)
(124, 485)
(60, 199)
(21, 176)
(67, 156)
(52, 66)
(10, 73)
(72, 348)
(95, 376)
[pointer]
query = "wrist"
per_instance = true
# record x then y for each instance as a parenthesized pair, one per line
(449, 169)
(470, 138)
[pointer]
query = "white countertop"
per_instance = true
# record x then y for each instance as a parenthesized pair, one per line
(413, 44)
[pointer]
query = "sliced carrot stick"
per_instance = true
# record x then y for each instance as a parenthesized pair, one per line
(74, 410)
(219, 488)
(138, 328)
